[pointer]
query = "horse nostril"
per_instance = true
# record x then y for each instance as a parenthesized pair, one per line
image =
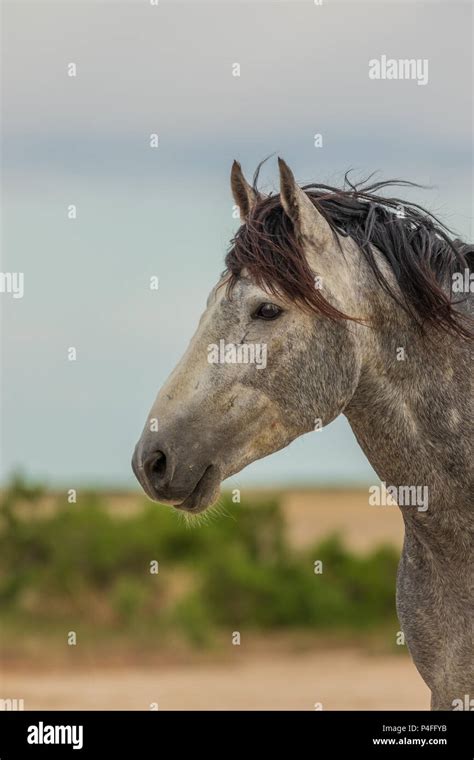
(155, 466)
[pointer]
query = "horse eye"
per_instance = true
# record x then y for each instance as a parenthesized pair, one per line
(267, 311)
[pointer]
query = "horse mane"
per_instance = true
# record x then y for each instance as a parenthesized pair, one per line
(417, 246)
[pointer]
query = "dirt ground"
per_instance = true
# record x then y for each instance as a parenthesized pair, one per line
(337, 680)
(312, 515)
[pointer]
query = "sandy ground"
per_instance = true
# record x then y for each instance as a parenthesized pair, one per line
(312, 515)
(339, 680)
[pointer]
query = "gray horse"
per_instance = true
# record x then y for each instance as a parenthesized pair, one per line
(340, 301)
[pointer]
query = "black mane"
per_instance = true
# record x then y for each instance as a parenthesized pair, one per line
(418, 247)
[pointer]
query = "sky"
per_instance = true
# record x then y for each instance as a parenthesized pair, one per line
(85, 140)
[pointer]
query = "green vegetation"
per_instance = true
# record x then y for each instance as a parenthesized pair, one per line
(79, 565)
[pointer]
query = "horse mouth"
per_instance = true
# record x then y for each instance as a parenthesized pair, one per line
(204, 494)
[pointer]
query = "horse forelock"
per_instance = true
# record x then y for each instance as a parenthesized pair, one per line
(417, 246)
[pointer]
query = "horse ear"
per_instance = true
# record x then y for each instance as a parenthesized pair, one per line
(244, 194)
(308, 222)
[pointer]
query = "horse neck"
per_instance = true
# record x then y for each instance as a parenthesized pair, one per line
(412, 416)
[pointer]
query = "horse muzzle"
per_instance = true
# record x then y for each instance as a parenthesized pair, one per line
(173, 476)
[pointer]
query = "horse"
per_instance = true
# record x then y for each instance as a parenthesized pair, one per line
(351, 293)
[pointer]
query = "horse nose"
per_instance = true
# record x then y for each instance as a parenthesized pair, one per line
(154, 464)
(156, 468)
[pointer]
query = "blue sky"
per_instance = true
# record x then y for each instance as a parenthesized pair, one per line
(168, 211)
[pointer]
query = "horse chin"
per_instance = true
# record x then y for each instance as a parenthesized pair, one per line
(205, 494)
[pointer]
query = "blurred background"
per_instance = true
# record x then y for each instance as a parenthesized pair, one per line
(78, 540)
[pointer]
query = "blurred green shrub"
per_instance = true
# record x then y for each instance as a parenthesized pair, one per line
(235, 570)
